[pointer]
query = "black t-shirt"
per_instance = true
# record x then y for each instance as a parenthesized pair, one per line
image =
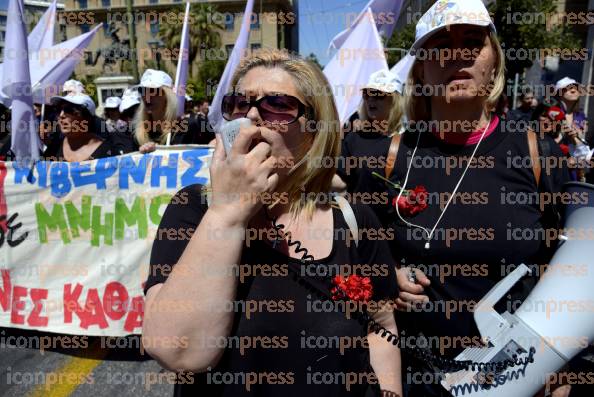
(490, 227)
(298, 366)
(108, 148)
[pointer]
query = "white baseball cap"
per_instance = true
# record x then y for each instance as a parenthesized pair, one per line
(82, 100)
(565, 82)
(450, 12)
(112, 102)
(130, 97)
(385, 81)
(73, 87)
(152, 78)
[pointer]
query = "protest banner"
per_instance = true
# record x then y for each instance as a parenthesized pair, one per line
(75, 238)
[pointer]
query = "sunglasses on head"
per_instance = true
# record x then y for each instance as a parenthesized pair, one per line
(276, 108)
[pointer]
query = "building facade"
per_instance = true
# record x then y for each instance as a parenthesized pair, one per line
(274, 24)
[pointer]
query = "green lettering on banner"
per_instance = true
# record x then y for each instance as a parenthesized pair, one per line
(79, 219)
(125, 216)
(99, 229)
(52, 222)
(157, 202)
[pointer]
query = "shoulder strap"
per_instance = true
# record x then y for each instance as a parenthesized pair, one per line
(392, 155)
(349, 216)
(533, 148)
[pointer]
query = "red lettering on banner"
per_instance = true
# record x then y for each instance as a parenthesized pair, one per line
(5, 292)
(71, 302)
(34, 319)
(93, 313)
(115, 300)
(135, 315)
(18, 304)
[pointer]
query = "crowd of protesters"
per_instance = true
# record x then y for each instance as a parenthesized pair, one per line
(71, 129)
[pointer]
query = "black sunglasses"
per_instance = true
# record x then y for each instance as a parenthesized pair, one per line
(277, 109)
(72, 109)
(368, 93)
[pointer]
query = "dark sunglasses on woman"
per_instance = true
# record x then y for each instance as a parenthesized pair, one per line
(276, 109)
(375, 93)
(72, 109)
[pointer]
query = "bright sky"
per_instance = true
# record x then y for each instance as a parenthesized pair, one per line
(321, 20)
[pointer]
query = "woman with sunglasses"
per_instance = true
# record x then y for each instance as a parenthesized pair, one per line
(262, 188)
(77, 123)
(461, 191)
(380, 117)
(156, 121)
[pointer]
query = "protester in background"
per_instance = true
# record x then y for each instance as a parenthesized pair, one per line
(202, 107)
(279, 93)
(5, 152)
(380, 117)
(523, 112)
(128, 107)
(456, 124)
(156, 120)
(77, 122)
(73, 87)
(111, 110)
(188, 106)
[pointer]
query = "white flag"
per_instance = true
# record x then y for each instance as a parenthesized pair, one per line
(181, 74)
(348, 71)
(385, 14)
(42, 35)
(214, 115)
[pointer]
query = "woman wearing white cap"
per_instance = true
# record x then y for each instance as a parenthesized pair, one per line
(380, 117)
(129, 105)
(156, 120)
(459, 186)
(77, 123)
(293, 352)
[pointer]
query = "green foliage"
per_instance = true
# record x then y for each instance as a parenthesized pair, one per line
(536, 29)
(209, 73)
(204, 31)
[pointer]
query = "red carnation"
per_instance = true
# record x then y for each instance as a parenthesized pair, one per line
(564, 148)
(412, 201)
(353, 287)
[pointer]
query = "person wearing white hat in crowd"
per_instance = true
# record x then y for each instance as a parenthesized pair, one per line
(156, 121)
(380, 117)
(451, 181)
(73, 87)
(128, 107)
(111, 109)
(77, 122)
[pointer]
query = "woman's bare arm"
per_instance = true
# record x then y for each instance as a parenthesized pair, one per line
(384, 356)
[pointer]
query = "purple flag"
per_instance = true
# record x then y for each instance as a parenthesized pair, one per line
(181, 74)
(214, 115)
(42, 35)
(385, 13)
(17, 85)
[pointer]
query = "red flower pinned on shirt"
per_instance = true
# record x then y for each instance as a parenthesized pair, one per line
(564, 148)
(353, 287)
(412, 201)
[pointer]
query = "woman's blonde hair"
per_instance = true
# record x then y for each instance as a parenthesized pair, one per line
(418, 107)
(142, 123)
(395, 121)
(307, 178)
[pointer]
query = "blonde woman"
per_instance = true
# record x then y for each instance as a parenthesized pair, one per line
(476, 176)
(272, 330)
(156, 121)
(365, 149)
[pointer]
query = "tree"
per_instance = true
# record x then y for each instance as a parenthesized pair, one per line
(204, 85)
(204, 32)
